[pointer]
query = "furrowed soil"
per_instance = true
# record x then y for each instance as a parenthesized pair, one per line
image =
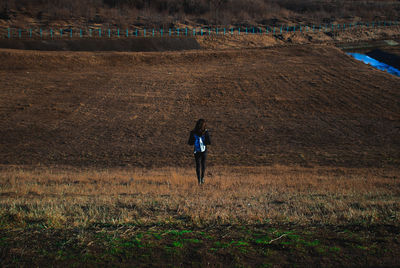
(299, 104)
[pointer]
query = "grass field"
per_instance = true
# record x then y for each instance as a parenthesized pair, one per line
(241, 216)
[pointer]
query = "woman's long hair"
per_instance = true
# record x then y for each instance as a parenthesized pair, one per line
(200, 127)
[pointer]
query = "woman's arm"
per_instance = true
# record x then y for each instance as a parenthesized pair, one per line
(191, 138)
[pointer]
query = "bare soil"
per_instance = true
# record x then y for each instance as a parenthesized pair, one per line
(217, 246)
(292, 104)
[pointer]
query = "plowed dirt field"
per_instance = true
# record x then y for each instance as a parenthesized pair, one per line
(300, 104)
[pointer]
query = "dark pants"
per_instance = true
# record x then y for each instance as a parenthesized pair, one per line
(200, 164)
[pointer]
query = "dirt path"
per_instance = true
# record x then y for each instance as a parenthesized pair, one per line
(293, 105)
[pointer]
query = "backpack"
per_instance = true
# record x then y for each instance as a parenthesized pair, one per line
(199, 144)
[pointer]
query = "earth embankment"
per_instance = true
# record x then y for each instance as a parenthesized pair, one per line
(123, 44)
(307, 105)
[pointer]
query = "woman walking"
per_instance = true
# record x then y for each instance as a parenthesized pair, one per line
(200, 138)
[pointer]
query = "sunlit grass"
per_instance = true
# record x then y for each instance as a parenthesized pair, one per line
(244, 195)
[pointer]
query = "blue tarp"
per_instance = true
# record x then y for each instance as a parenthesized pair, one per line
(377, 64)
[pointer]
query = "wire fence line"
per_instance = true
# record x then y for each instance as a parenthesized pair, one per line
(92, 32)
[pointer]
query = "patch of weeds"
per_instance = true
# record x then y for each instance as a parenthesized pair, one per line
(44, 252)
(334, 249)
(240, 243)
(3, 241)
(178, 233)
(261, 239)
(294, 237)
(361, 247)
(209, 237)
(177, 244)
(320, 250)
(286, 243)
(156, 236)
(219, 244)
(190, 240)
(242, 246)
(311, 244)
(89, 257)
(61, 255)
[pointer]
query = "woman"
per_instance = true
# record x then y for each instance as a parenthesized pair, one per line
(200, 138)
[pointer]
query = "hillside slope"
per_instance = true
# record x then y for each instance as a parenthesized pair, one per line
(308, 105)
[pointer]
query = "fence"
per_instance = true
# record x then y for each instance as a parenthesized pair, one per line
(186, 32)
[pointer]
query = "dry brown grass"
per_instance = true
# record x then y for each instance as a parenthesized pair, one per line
(278, 194)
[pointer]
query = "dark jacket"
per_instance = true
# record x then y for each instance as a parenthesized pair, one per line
(207, 140)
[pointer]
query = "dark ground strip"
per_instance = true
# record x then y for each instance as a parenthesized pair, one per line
(131, 44)
(256, 246)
